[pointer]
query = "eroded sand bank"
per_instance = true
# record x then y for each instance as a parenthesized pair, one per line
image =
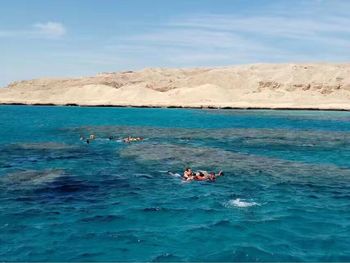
(294, 86)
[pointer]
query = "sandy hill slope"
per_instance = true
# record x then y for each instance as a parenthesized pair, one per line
(318, 86)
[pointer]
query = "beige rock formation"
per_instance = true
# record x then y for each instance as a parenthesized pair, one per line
(299, 86)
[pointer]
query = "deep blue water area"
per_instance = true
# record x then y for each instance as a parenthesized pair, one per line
(284, 196)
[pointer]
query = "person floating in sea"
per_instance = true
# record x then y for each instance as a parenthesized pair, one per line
(132, 139)
(212, 176)
(200, 176)
(89, 139)
(189, 175)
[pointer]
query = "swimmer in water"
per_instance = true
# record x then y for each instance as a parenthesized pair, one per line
(92, 137)
(212, 176)
(200, 176)
(188, 174)
(132, 139)
(127, 139)
(220, 173)
(136, 139)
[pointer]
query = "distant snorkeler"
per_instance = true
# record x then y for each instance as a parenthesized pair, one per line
(89, 139)
(127, 139)
(132, 139)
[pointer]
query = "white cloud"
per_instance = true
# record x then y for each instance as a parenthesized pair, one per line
(193, 46)
(279, 31)
(276, 25)
(214, 39)
(50, 29)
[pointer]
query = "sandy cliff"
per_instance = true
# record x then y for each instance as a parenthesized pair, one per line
(319, 86)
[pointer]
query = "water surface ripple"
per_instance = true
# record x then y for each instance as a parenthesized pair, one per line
(285, 195)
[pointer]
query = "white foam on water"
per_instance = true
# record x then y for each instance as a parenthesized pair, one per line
(240, 203)
(174, 174)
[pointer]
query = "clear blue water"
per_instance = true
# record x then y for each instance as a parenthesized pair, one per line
(285, 195)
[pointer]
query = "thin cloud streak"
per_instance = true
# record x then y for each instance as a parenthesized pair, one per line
(211, 38)
(50, 29)
(47, 30)
(278, 26)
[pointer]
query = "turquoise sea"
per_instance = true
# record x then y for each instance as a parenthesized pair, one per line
(285, 195)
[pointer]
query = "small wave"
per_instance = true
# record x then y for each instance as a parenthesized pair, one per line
(4, 226)
(102, 218)
(221, 223)
(151, 209)
(240, 203)
(166, 257)
(140, 175)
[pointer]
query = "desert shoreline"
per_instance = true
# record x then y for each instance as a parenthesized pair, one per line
(306, 86)
(176, 107)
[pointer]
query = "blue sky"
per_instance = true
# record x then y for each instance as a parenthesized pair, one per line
(55, 38)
